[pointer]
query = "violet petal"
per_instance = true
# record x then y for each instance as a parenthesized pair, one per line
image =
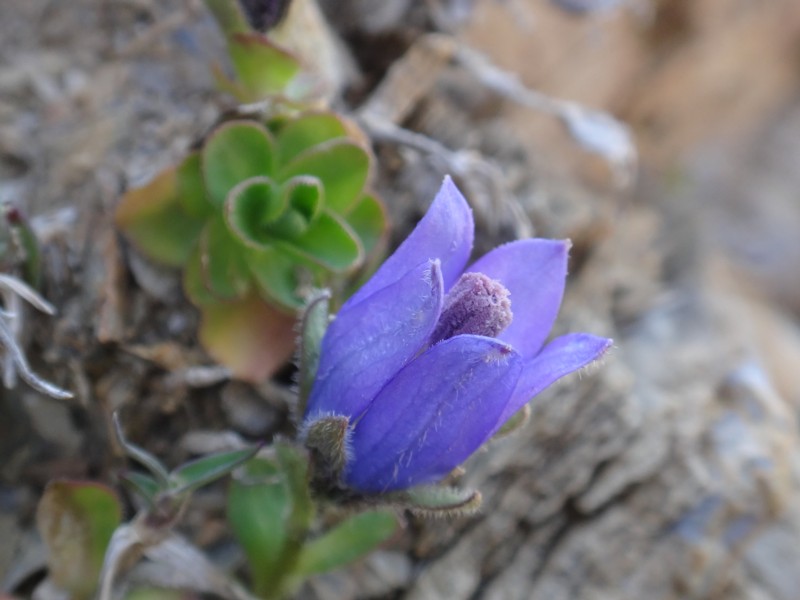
(433, 415)
(367, 344)
(534, 271)
(560, 357)
(445, 232)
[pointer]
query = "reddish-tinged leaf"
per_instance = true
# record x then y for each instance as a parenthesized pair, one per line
(76, 520)
(248, 336)
(163, 218)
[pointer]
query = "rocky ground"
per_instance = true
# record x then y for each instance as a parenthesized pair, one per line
(669, 472)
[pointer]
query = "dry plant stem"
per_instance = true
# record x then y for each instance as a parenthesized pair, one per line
(621, 155)
(13, 291)
(460, 163)
(16, 286)
(15, 356)
(176, 563)
(13, 307)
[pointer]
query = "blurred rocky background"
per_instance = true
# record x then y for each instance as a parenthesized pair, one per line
(669, 472)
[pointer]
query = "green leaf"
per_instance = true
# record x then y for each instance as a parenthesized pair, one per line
(143, 485)
(251, 207)
(223, 268)
(276, 275)
(164, 218)
(330, 242)
(235, 151)
(294, 465)
(229, 16)
(202, 471)
(152, 593)
(76, 520)
(191, 189)
(248, 336)
(263, 68)
(259, 506)
(345, 543)
(305, 196)
(139, 454)
(313, 325)
(306, 131)
(341, 165)
(228, 85)
(24, 245)
(368, 220)
(194, 283)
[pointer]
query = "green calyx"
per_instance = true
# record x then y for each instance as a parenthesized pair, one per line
(259, 216)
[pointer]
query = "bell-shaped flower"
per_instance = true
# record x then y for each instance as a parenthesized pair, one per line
(429, 359)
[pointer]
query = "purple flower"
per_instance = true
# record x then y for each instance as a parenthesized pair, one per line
(427, 361)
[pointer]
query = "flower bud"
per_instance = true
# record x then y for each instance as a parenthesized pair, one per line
(476, 305)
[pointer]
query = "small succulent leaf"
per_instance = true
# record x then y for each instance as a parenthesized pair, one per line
(162, 218)
(194, 283)
(347, 542)
(76, 521)
(436, 500)
(294, 464)
(252, 207)
(341, 165)
(303, 199)
(264, 68)
(248, 336)
(223, 266)
(313, 325)
(202, 471)
(306, 131)
(329, 242)
(235, 151)
(276, 274)
(143, 485)
(368, 219)
(259, 505)
(305, 195)
(191, 189)
(229, 15)
(328, 437)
